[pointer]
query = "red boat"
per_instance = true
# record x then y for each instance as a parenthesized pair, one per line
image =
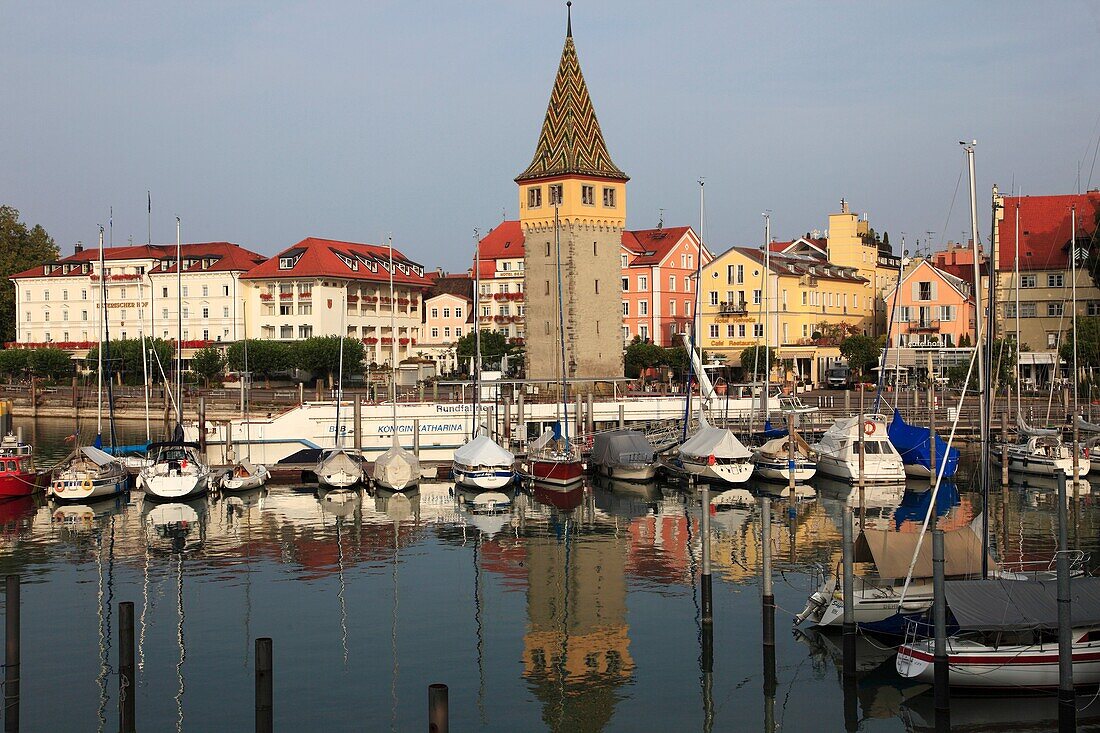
(17, 474)
(561, 468)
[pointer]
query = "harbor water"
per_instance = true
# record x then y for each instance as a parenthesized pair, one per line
(568, 611)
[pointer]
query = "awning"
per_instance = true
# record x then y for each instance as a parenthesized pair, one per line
(1039, 357)
(891, 552)
(993, 605)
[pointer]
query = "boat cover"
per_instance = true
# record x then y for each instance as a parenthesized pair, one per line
(712, 441)
(770, 431)
(1087, 427)
(97, 456)
(619, 447)
(912, 443)
(1024, 429)
(1004, 605)
(484, 451)
(891, 552)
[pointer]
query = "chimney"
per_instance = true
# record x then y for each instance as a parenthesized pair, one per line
(78, 248)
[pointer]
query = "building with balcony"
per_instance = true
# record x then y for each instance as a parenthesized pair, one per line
(659, 268)
(324, 287)
(59, 303)
(448, 316)
(931, 307)
(502, 298)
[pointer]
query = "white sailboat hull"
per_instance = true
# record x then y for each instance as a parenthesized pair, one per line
(79, 488)
(176, 486)
(486, 479)
(245, 483)
(975, 665)
(731, 473)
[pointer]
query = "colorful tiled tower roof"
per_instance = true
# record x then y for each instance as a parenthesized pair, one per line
(571, 141)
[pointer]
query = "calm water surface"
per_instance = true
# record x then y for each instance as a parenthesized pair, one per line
(576, 611)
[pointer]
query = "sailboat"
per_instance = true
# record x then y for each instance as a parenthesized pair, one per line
(716, 454)
(178, 470)
(553, 458)
(481, 463)
(914, 445)
(338, 468)
(244, 474)
(397, 469)
(90, 472)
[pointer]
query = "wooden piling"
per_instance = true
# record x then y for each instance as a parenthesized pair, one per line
(589, 415)
(1067, 697)
(933, 468)
(578, 416)
(941, 694)
(768, 596)
(318, 389)
(507, 421)
(11, 658)
(622, 416)
(127, 680)
(862, 460)
(791, 463)
(848, 585)
(438, 712)
(1004, 447)
(707, 602)
(202, 425)
(416, 437)
(357, 421)
(265, 712)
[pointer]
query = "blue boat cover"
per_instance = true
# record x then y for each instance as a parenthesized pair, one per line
(771, 431)
(126, 450)
(912, 443)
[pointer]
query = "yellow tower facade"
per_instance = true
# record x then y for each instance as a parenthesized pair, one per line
(572, 209)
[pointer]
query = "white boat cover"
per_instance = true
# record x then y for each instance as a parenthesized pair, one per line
(1024, 429)
(542, 441)
(97, 456)
(712, 441)
(1087, 427)
(484, 451)
(778, 449)
(1003, 605)
(620, 447)
(891, 552)
(845, 427)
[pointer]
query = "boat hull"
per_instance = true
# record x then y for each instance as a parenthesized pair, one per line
(874, 472)
(1044, 466)
(484, 479)
(780, 470)
(628, 473)
(175, 488)
(975, 666)
(76, 489)
(737, 472)
(22, 483)
(244, 483)
(558, 473)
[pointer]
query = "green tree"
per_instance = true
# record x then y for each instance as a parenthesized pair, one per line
(208, 363)
(862, 353)
(124, 358)
(493, 345)
(321, 355)
(754, 362)
(265, 358)
(20, 249)
(14, 362)
(1088, 344)
(50, 363)
(641, 355)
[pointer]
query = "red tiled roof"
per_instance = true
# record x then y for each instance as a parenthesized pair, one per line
(799, 265)
(229, 257)
(323, 258)
(651, 246)
(1044, 229)
(503, 242)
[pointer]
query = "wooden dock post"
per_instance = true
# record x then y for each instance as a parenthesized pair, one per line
(1067, 696)
(862, 460)
(849, 624)
(521, 424)
(416, 437)
(265, 713)
(933, 468)
(318, 387)
(791, 463)
(847, 401)
(438, 712)
(707, 600)
(589, 415)
(301, 393)
(1004, 447)
(34, 396)
(76, 395)
(127, 681)
(579, 416)
(11, 658)
(939, 615)
(202, 425)
(622, 416)
(507, 420)
(357, 421)
(768, 596)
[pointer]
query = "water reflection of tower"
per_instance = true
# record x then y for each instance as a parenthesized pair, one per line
(577, 649)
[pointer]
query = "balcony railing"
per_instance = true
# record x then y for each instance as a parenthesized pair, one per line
(733, 308)
(924, 324)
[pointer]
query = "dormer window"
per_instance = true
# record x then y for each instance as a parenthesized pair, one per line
(287, 263)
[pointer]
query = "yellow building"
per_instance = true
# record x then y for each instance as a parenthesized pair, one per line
(819, 291)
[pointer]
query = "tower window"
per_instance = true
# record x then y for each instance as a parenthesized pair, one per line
(588, 195)
(597, 287)
(547, 287)
(609, 197)
(534, 197)
(555, 194)
(594, 253)
(547, 249)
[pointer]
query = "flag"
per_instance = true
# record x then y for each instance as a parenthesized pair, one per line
(150, 197)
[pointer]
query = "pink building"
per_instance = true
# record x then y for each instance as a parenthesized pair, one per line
(448, 316)
(659, 267)
(930, 307)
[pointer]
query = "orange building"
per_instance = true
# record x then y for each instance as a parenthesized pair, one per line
(659, 267)
(931, 307)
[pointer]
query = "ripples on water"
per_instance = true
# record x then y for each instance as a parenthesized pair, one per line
(574, 611)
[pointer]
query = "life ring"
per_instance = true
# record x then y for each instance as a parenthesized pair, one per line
(86, 485)
(868, 428)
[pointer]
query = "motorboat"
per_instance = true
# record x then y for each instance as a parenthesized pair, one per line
(177, 472)
(89, 473)
(338, 469)
(626, 455)
(1042, 452)
(838, 451)
(716, 454)
(913, 445)
(1091, 434)
(482, 464)
(397, 469)
(18, 476)
(1008, 635)
(244, 476)
(773, 460)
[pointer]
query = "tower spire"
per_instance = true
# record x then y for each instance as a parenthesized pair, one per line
(569, 19)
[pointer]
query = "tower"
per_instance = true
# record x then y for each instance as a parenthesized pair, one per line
(572, 197)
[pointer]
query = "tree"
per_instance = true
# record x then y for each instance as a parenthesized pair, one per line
(14, 362)
(1088, 344)
(321, 355)
(208, 363)
(862, 353)
(265, 358)
(124, 358)
(50, 363)
(832, 334)
(20, 249)
(641, 355)
(493, 345)
(753, 362)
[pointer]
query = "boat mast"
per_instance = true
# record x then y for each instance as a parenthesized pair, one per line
(393, 344)
(244, 391)
(99, 351)
(1073, 293)
(983, 470)
(561, 326)
(338, 439)
(179, 327)
(1016, 277)
(767, 315)
(477, 336)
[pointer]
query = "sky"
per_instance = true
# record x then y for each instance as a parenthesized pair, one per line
(264, 123)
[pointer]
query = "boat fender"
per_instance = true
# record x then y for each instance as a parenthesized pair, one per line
(868, 428)
(710, 460)
(86, 485)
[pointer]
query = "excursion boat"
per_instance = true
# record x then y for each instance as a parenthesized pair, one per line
(18, 476)
(177, 472)
(625, 455)
(1008, 635)
(245, 476)
(716, 454)
(838, 451)
(338, 469)
(397, 469)
(483, 465)
(912, 444)
(773, 460)
(89, 473)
